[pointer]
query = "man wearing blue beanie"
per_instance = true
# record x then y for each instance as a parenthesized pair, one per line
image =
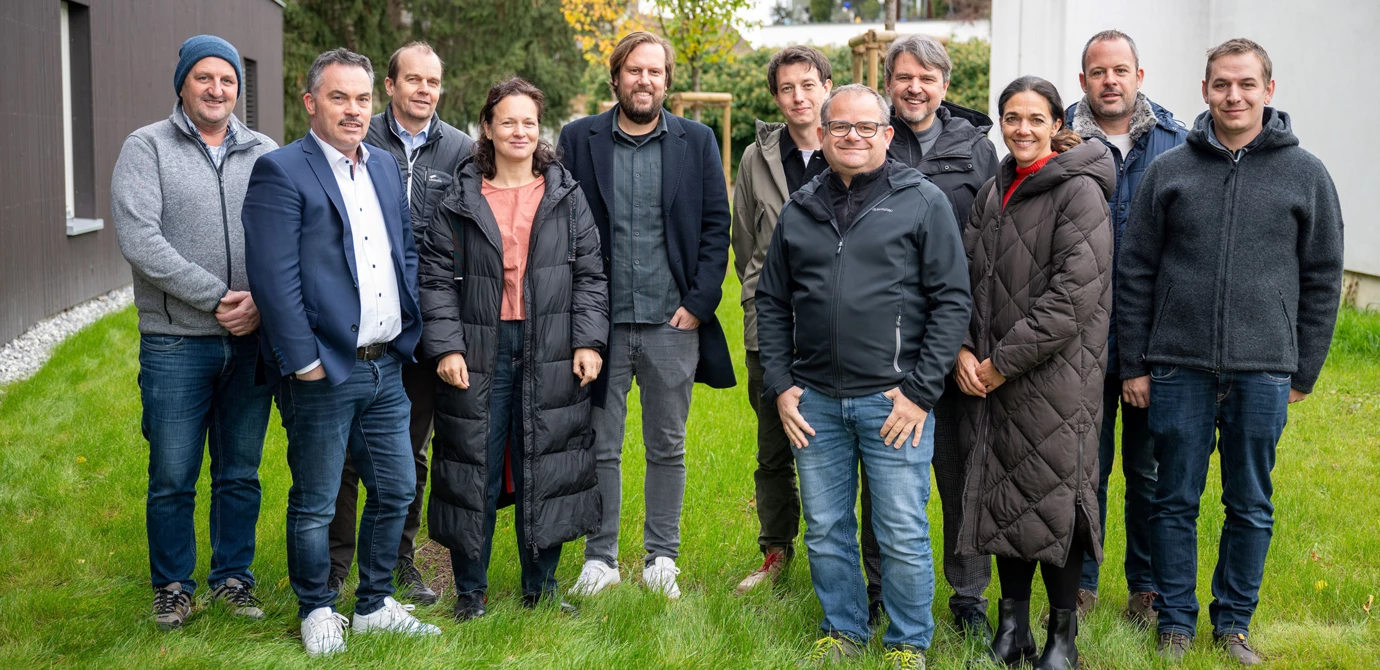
(206, 46)
(176, 194)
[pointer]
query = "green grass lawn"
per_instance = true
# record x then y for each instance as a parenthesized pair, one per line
(74, 586)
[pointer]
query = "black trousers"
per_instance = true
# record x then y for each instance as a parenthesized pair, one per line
(419, 381)
(968, 576)
(778, 497)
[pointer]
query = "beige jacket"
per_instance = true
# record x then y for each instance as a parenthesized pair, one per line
(758, 197)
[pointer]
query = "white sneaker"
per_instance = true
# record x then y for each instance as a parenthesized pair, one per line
(323, 632)
(595, 577)
(660, 577)
(393, 617)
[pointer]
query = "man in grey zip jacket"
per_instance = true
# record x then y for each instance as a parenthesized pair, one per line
(1226, 298)
(427, 158)
(861, 307)
(175, 196)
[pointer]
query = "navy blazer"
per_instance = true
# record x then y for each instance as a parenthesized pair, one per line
(300, 257)
(694, 206)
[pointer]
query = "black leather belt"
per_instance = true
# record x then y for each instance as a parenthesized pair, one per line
(372, 351)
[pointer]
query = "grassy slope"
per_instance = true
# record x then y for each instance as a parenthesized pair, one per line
(73, 558)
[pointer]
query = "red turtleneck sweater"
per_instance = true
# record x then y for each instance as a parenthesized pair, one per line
(1021, 174)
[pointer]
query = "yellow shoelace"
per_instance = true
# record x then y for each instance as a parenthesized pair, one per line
(823, 646)
(904, 658)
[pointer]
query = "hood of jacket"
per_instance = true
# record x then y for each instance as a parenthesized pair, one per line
(1092, 159)
(962, 127)
(1144, 117)
(466, 192)
(1276, 132)
(769, 136)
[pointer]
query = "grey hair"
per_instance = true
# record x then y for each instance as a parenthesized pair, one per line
(340, 56)
(1109, 36)
(859, 89)
(926, 49)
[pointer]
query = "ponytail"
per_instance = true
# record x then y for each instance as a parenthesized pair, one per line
(1064, 140)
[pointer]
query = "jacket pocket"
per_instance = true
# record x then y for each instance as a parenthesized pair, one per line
(1288, 325)
(1159, 318)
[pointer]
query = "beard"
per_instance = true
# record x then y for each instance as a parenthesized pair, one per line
(638, 115)
(1117, 110)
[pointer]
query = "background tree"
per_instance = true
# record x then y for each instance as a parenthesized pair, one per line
(480, 43)
(821, 11)
(703, 32)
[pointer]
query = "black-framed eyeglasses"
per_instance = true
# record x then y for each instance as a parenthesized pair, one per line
(865, 129)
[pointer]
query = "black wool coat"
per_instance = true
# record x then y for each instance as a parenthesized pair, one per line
(565, 296)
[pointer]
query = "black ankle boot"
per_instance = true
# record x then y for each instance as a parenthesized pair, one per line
(1060, 651)
(1012, 644)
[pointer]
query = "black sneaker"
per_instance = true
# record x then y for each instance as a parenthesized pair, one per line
(336, 583)
(470, 605)
(1237, 648)
(411, 586)
(171, 606)
(240, 597)
(974, 625)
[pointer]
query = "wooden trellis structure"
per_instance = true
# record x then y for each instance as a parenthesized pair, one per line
(700, 100)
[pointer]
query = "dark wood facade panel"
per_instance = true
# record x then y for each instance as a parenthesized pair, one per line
(133, 55)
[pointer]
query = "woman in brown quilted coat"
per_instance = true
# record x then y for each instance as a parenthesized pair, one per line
(1040, 261)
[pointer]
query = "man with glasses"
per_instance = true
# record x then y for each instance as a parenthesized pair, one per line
(861, 307)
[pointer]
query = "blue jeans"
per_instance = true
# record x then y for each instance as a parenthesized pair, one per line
(200, 391)
(847, 429)
(505, 423)
(367, 415)
(1140, 469)
(1242, 415)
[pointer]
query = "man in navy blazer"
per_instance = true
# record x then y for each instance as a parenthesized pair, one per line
(656, 188)
(333, 268)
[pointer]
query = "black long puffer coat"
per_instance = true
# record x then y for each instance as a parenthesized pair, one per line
(1041, 271)
(565, 296)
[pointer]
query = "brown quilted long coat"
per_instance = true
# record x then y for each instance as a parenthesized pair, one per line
(1041, 271)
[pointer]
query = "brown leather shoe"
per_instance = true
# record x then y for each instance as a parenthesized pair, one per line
(1237, 648)
(1140, 609)
(1173, 646)
(774, 564)
(1087, 601)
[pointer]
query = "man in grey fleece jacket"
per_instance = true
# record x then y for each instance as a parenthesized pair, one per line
(1230, 276)
(176, 194)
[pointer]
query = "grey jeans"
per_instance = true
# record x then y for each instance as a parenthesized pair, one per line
(663, 359)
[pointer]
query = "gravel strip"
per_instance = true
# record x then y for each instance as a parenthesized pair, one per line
(24, 356)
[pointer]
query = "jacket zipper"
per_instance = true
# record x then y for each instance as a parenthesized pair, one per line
(838, 272)
(896, 359)
(1219, 352)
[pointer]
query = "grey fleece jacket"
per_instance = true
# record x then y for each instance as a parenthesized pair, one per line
(1232, 262)
(177, 217)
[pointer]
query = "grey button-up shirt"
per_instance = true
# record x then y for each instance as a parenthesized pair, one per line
(642, 288)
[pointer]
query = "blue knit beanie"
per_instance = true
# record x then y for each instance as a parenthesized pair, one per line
(202, 46)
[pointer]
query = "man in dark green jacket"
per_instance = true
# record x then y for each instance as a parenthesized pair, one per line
(427, 150)
(1226, 298)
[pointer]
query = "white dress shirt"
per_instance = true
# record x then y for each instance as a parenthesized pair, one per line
(380, 313)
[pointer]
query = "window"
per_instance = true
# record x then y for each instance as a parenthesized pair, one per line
(251, 93)
(78, 141)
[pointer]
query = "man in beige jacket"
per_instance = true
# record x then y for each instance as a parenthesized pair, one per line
(785, 157)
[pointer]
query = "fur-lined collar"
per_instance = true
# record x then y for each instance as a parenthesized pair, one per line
(1142, 119)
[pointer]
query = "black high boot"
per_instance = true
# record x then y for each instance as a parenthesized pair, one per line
(1060, 651)
(1012, 644)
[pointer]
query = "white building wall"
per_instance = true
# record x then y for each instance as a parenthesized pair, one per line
(1322, 53)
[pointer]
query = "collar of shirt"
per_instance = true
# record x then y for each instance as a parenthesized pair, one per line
(334, 157)
(229, 131)
(641, 139)
(412, 142)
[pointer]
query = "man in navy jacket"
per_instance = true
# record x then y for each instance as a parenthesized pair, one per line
(656, 188)
(1114, 111)
(331, 262)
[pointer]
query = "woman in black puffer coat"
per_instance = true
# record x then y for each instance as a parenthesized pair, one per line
(515, 311)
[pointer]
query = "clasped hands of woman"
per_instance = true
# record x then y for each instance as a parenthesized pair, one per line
(453, 370)
(974, 378)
